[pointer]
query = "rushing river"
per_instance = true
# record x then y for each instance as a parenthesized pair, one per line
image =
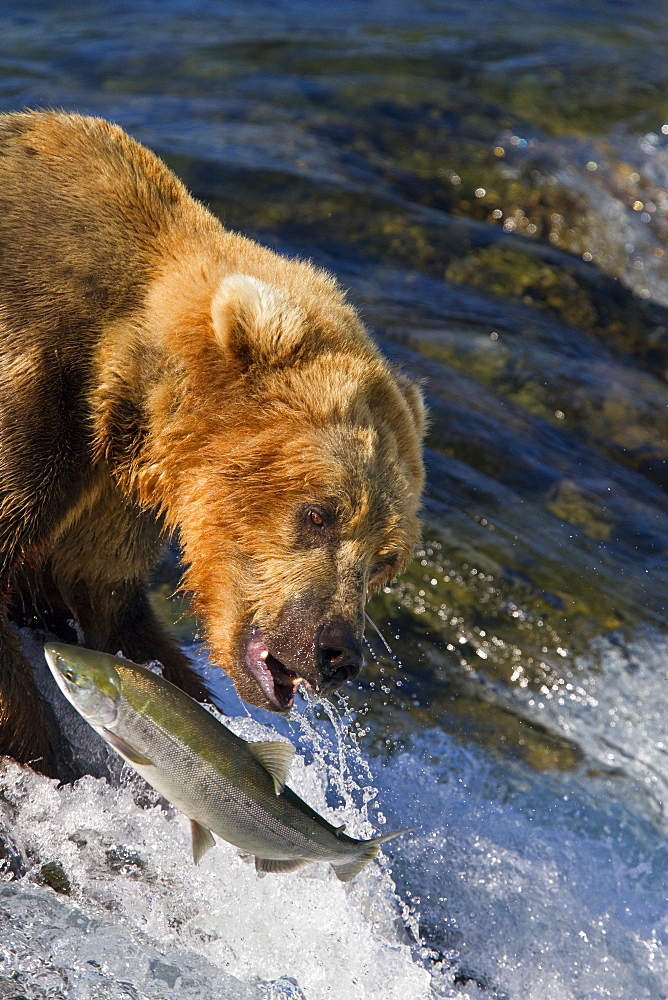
(490, 181)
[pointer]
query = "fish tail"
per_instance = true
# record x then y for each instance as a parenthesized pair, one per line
(352, 868)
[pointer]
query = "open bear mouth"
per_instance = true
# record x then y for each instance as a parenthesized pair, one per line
(279, 684)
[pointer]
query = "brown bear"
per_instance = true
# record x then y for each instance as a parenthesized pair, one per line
(159, 373)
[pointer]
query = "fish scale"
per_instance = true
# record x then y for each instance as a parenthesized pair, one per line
(214, 794)
(221, 782)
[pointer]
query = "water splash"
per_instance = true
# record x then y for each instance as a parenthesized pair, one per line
(128, 868)
(117, 860)
(336, 755)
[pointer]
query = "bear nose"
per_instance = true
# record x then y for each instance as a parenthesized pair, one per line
(339, 653)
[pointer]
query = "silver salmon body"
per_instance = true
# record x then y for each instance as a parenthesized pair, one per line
(222, 783)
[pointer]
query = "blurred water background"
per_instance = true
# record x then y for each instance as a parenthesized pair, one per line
(489, 179)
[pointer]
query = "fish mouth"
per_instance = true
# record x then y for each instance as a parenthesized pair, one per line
(278, 682)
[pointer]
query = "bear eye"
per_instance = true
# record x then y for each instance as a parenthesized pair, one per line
(317, 524)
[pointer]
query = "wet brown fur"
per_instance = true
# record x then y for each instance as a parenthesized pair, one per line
(148, 384)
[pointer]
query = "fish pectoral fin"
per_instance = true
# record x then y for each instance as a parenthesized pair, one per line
(352, 868)
(276, 758)
(202, 840)
(125, 750)
(345, 872)
(279, 865)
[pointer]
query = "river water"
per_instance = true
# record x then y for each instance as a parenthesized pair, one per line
(489, 180)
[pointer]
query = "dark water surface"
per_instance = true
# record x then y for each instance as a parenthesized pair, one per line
(490, 181)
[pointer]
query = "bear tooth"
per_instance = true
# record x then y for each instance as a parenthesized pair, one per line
(264, 654)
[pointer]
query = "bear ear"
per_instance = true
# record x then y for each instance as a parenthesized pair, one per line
(412, 393)
(255, 323)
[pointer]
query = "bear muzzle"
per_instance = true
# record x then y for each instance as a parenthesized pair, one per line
(332, 657)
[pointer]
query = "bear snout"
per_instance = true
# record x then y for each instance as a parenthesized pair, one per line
(280, 662)
(339, 654)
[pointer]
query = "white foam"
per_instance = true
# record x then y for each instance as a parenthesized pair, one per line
(528, 884)
(335, 941)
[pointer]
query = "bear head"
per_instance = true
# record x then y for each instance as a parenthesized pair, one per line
(300, 470)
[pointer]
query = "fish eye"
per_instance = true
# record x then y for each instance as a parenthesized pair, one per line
(69, 675)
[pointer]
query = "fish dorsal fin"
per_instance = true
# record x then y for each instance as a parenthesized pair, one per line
(274, 865)
(340, 829)
(202, 840)
(125, 750)
(276, 758)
